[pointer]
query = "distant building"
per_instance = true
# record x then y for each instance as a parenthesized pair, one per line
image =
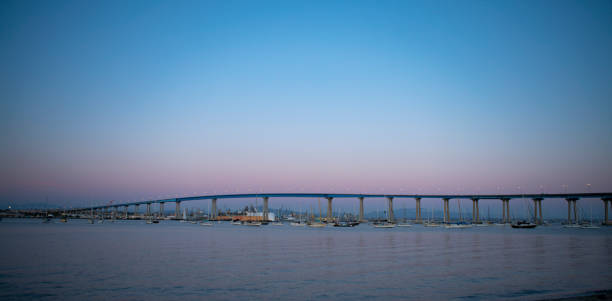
(259, 216)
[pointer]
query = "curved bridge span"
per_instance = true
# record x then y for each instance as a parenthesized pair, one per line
(571, 199)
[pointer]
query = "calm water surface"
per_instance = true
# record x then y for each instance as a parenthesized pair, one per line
(134, 261)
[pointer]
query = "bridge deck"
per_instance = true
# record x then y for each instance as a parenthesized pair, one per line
(606, 195)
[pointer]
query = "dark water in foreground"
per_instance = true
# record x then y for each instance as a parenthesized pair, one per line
(134, 261)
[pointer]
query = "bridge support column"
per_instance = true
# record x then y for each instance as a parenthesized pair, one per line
(540, 220)
(419, 220)
(116, 212)
(177, 214)
(605, 221)
(445, 209)
(475, 212)
(569, 211)
(572, 202)
(329, 210)
(265, 208)
(390, 202)
(535, 211)
(508, 211)
(361, 209)
(537, 207)
(161, 210)
(148, 209)
(125, 211)
(505, 210)
(213, 212)
(137, 210)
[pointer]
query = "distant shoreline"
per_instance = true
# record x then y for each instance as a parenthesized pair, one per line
(590, 296)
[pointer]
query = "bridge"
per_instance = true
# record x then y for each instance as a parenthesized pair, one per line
(571, 199)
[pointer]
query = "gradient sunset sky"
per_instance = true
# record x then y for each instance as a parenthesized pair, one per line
(132, 100)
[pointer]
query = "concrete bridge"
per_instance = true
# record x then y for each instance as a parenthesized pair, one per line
(571, 199)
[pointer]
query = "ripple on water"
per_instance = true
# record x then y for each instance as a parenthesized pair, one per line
(225, 262)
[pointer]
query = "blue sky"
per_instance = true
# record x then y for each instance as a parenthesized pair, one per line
(125, 100)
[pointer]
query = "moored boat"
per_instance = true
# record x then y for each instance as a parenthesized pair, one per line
(317, 225)
(523, 225)
(589, 226)
(457, 226)
(346, 224)
(385, 225)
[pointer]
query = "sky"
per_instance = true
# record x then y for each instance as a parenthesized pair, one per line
(133, 100)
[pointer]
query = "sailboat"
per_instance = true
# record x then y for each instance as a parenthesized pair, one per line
(460, 224)
(48, 216)
(207, 223)
(318, 224)
(404, 224)
(483, 224)
(91, 217)
(489, 222)
(277, 219)
(432, 222)
(299, 222)
(499, 223)
(386, 224)
(590, 225)
(523, 224)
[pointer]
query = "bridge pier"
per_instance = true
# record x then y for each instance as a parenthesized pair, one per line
(569, 211)
(265, 208)
(390, 202)
(571, 202)
(116, 212)
(418, 211)
(575, 212)
(148, 210)
(508, 211)
(540, 220)
(137, 210)
(161, 210)
(329, 209)
(505, 210)
(213, 212)
(361, 219)
(537, 210)
(125, 210)
(606, 201)
(177, 214)
(446, 213)
(475, 211)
